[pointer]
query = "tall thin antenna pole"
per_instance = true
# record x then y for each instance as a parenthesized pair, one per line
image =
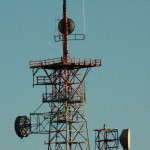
(84, 17)
(65, 42)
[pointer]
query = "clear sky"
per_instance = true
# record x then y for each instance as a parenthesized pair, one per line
(118, 92)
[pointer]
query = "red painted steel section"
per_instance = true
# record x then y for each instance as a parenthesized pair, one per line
(66, 55)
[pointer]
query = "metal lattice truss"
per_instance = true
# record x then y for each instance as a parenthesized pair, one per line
(65, 121)
(106, 139)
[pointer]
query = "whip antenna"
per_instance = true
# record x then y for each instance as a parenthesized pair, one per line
(83, 16)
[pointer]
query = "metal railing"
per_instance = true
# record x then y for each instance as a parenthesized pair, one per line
(75, 61)
(49, 97)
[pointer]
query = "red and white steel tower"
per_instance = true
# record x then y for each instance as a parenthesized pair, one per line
(65, 120)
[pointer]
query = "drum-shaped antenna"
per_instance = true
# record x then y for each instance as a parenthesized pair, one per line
(61, 26)
(22, 126)
(125, 139)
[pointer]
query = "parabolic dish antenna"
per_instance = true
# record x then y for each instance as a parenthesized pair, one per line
(22, 126)
(125, 139)
(62, 26)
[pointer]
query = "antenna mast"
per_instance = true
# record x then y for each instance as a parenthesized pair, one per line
(65, 42)
(65, 120)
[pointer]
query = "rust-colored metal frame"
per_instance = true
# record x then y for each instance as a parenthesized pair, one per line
(106, 139)
(65, 121)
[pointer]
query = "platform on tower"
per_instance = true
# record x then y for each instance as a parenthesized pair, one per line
(59, 63)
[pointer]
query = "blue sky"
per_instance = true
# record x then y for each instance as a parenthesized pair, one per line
(118, 92)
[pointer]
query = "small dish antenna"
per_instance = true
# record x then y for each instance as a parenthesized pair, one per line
(22, 126)
(125, 139)
(62, 24)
